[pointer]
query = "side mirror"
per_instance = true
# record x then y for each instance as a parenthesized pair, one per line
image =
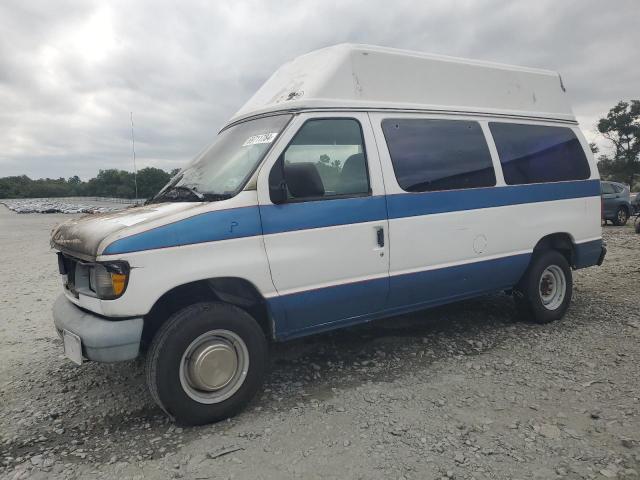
(277, 184)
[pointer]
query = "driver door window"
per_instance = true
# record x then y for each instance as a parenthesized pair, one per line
(326, 159)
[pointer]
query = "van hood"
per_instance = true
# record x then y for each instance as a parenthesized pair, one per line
(81, 237)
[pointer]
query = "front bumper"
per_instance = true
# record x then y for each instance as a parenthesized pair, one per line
(102, 340)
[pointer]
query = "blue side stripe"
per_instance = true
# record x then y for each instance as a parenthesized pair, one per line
(457, 280)
(324, 309)
(311, 308)
(245, 221)
(322, 213)
(206, 227)
(413, 204)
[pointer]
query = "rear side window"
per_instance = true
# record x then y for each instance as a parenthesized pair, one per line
(431, 155)
(539, 154)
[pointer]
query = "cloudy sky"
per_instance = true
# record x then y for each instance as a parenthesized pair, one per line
(72, 70)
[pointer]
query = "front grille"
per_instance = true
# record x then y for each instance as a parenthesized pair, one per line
(68, 266)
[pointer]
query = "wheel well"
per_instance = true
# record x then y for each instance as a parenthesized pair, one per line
(236, 291)
(558, 241)
(624, 207)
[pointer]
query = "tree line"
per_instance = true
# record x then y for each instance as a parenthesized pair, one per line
(108, 183)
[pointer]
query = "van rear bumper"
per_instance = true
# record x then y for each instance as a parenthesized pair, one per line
(603, 253)
(588, 254)
(103, 340)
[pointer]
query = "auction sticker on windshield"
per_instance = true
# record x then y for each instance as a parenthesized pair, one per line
(262, 138)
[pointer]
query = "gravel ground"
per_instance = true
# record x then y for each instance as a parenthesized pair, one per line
(464, 391)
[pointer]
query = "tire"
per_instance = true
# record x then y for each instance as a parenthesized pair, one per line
(622, 215)
(537, 299)
(213, 334)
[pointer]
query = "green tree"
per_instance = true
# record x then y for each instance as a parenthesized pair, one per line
(621, 127)
(14, 187)
(329, 171)
(108, 183)
(112, 183)
(75, 185)
(150, 181)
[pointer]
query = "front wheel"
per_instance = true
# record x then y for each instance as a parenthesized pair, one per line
(206, 363)
(544, 293)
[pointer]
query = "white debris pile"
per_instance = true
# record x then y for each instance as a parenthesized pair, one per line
(40, 205)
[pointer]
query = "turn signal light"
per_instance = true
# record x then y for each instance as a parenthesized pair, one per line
(118, 281)
(109, 280)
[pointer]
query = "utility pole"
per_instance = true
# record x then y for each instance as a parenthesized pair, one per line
(133, 149)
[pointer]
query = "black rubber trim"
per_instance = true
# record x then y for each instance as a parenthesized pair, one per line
(603, 253)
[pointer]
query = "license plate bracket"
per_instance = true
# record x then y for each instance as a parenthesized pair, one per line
(72, 346)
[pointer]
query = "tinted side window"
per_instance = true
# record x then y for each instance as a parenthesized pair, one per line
(618, 188)
(538, 154)
(430, 155)
(326, 158)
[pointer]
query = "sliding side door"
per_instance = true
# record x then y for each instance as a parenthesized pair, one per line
(447, 241)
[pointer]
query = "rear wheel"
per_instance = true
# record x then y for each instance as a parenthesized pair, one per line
(206, 363)
(621, 217)
(544, 293)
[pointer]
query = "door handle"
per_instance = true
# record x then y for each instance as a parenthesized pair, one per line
(380, 236)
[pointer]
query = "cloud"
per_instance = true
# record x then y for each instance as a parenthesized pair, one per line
(72, 71)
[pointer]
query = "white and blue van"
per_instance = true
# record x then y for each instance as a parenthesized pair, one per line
(359, 182)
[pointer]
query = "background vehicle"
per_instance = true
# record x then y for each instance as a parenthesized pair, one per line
(616, 202)
(635, 205)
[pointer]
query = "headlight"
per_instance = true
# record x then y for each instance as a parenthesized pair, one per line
(109, 280)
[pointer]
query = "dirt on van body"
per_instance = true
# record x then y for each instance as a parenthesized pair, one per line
(460, 392)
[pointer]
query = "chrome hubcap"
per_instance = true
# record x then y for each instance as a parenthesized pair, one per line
(552, 287)
(214, 366)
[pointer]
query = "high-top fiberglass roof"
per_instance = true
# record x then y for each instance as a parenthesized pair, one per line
(369, 77)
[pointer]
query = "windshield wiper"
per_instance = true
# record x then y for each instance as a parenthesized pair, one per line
(214, 197)
(191, 190)
(177, 193)
(182, 193)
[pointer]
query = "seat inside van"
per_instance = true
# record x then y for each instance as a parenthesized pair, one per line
(353, 177)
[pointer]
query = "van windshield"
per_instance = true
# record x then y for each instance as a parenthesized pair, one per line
(222, 169)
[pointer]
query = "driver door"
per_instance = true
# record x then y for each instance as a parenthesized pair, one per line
(326, 239)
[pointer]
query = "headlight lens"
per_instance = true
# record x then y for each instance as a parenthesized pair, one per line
(109, 280)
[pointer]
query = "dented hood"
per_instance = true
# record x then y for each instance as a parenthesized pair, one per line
(81, 237)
